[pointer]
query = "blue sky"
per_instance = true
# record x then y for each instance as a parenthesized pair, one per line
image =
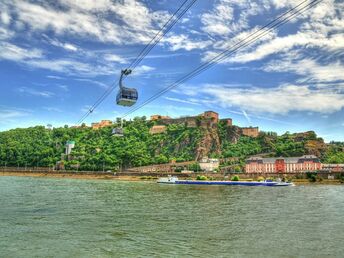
(58, 57)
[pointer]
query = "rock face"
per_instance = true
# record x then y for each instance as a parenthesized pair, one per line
(210, 142)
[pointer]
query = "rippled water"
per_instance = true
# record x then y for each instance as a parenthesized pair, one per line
(42, 217)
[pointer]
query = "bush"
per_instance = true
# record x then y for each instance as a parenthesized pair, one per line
(178, 169)
(235, 178)
(312, 178)
(202, 178)
(194, 167)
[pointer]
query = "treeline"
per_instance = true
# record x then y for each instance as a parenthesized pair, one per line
(98, 149)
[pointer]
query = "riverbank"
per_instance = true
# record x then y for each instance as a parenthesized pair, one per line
(71, 175)
(143, 177)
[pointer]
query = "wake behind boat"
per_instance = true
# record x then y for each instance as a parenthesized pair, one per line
(175, 180)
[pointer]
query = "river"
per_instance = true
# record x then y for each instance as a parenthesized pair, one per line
(57, 217)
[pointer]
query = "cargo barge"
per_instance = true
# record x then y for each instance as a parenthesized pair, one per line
(175, 180)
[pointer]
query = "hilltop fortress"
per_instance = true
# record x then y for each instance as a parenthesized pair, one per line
(206, 120)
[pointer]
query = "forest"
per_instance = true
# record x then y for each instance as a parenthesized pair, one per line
(99, 150)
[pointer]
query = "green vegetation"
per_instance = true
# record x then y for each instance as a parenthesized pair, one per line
(99, 150)
(312, 177)
(235, 178)
(194, 167)
(201, 178)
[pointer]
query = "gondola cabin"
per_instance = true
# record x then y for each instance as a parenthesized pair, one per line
(117, 132)
(126, 96)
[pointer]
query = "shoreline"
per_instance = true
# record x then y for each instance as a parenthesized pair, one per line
(143, 177)
(70, 175)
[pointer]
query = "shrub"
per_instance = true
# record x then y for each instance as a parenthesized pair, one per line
(312, 178)
(194, 167)
(201, 178)
(235, 178)
(178, 169)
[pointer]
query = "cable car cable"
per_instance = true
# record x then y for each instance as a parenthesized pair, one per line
(226, 53)
(142, 54)
(149, 46)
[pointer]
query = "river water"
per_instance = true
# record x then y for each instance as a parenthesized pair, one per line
(48, 217)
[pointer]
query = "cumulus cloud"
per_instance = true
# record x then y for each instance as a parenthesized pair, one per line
(321, 28)
(126, 22)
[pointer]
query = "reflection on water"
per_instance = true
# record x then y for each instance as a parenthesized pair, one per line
(95, 218)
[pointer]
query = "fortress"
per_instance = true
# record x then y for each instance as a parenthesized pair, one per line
(206, 119)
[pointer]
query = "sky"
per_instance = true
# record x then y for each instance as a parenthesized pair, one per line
(58, 57)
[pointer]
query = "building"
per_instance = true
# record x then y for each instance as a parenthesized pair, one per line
(157, 117)
(101, 124)
(283, 165)
(157, 129)
(250, 131)
(227, 121)
(212, 115)
(209, 165)
(333, 167)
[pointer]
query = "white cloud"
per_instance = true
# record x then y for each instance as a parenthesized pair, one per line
(101, 84)
(321, 28)
(34, 92)
(230, 17)
(182, 41)
(5, 33)
(66, 46)
(71, 66)
(143, 69)
(310, 69)
(124, 22)
(5, 18)
(186, 101)
(12, 52)
(115, 58)
(279, 100)
(10, 113)
(54, 77)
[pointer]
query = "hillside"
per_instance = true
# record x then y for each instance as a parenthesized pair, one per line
(98, 149)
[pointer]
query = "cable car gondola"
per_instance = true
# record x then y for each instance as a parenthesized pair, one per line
(126, 96)
(118, 131)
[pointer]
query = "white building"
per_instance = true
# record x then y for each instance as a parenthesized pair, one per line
(209, 165)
